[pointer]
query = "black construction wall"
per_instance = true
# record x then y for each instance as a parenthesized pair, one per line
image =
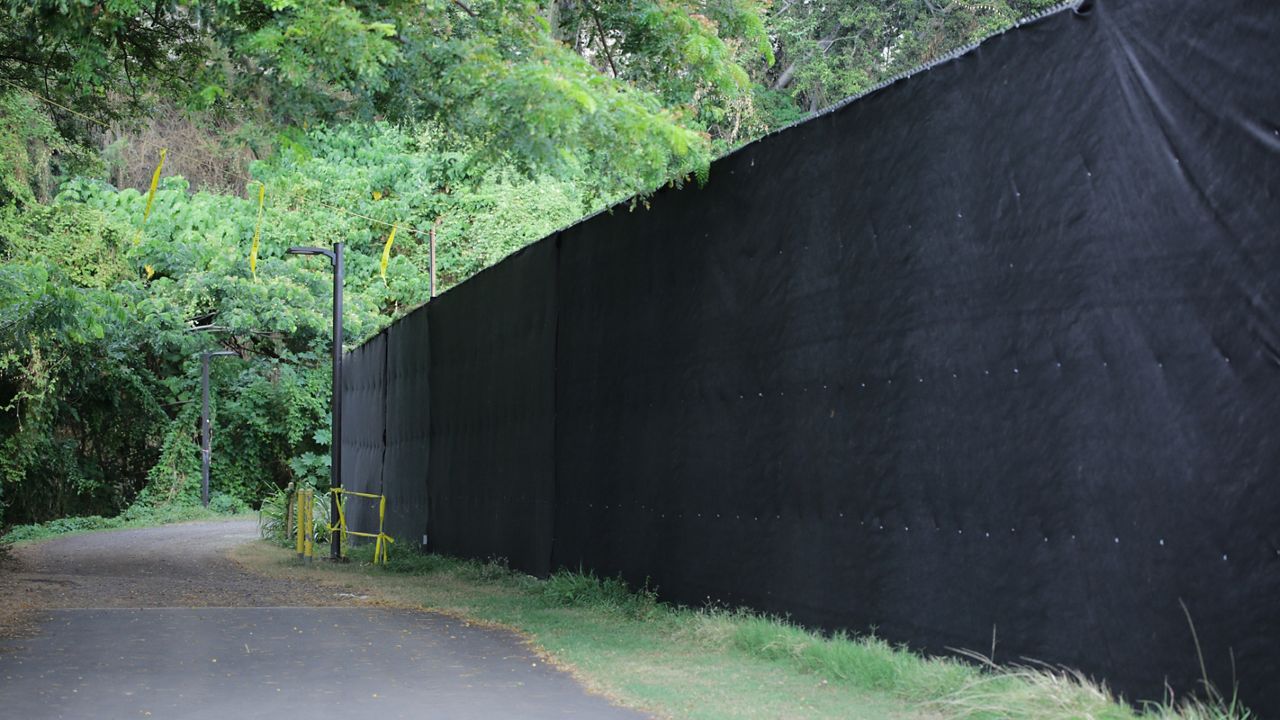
(991, 350)
(492, 479)
(408, 425)
(364, 388)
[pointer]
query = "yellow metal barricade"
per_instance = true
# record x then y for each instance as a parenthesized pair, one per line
(382, 541)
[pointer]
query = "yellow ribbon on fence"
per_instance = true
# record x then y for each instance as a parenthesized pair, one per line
(386, 254)
(151, 194)
(257, 232)
(155, 180)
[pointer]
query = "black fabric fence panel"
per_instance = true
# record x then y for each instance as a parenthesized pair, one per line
(408, 422)
(990, 352)
(364, 389)
(492, 413)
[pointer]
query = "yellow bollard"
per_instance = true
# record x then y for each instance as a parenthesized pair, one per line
(298, 525)
(310, 540)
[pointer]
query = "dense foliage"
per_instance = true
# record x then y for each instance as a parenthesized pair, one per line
(485, 124)
(104, 334)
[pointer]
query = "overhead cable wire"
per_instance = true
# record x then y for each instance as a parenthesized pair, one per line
(42, 98)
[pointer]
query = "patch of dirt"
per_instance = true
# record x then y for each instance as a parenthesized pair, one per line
(18, 600)
(183, 565)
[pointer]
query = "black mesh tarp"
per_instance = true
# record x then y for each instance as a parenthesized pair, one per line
(492, 412)
(363, 420)
(408, 428)
(990, 353)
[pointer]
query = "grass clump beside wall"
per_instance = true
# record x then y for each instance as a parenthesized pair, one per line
(721, 663)
(136, 516)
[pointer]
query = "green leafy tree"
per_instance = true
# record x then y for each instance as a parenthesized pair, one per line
(493, 73)
(831, 50)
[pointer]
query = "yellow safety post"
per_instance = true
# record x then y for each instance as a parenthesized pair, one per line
(309, 541)
(298, 524)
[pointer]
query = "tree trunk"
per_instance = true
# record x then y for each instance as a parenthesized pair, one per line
(785, 78)
(789, 74)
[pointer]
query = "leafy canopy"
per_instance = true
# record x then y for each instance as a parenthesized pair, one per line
(496, 73)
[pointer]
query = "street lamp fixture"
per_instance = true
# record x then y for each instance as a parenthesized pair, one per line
(335, 438)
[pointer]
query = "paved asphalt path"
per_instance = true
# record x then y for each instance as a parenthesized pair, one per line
(157, 623)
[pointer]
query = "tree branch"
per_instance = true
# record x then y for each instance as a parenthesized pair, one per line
(604, 43)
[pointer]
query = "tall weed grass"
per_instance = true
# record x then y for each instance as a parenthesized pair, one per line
(967, 687)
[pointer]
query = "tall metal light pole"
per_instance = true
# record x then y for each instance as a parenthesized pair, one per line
(204, 421)
(335, 437)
